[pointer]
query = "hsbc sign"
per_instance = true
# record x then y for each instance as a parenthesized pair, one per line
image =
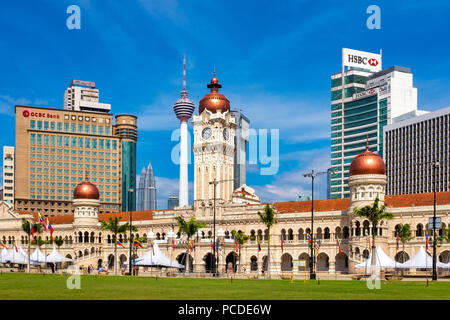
(364, 94)
(361, 59)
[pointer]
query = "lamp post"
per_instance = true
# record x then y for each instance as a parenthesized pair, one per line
(434, 164)
(130, 193)
(313, 175)
(215, 183)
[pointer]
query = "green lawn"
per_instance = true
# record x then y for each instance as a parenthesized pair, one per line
(33, 286)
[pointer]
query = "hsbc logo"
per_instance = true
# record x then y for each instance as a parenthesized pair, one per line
(371, 91)
(373, 62)
(362, 60)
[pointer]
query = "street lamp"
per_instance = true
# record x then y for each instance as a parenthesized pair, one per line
(434, 164)
(130, 193)
(312, 175)
(215, 183)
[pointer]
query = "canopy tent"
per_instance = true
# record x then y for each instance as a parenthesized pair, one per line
(382, 261)
(56, 257)
(3, 254)
(17, 257)
(38, 256)
(422, 260)
(156, 259)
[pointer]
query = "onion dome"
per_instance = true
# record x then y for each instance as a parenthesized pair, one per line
(86, 190)
(367, 163)
(214, 100)
(184, 107)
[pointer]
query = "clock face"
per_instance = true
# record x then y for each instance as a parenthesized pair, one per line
(226, 134)
(206, 133)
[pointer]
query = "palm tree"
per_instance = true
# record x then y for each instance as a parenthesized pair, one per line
(26, 226)
(240, 238)
(59, 241)
(405, 235)
(268, 218)
(190, 228)
(445, 235)
(113, 225)
(374, 214)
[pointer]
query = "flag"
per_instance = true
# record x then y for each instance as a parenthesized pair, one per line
(398, 238)
(40, 218)
(44, 223)
(236, 245)
(173, 244)
(317, 247)
(217, 246)
(259, 244)
(50, 228)
(17, 249)
(368, 242)
(212, 246)
(308, 236)
(339, 244)
(282, 243)
(3, 246)
(153, 248)
(427, 242)
(32, 229)
(137, 243)
(120, 244)
(191, 245)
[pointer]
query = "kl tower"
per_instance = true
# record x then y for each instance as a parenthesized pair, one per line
(184, 108)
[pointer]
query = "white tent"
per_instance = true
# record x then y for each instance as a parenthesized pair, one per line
(422, 260)
(38, 256)
(3, 254)
(382, 261)
(17, 257)
(55, 256)
(157, 259)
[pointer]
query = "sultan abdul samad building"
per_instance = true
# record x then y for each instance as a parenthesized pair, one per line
(214, 130)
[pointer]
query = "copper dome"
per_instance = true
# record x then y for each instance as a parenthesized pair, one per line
(214, 100)
(86, 190)
(367, 163)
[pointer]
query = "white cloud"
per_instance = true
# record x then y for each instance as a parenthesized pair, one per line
(7, 104)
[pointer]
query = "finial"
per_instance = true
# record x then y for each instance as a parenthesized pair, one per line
(367, 143)
(184, 72)
(214, 71)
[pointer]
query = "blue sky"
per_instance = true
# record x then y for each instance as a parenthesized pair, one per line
(273, 58)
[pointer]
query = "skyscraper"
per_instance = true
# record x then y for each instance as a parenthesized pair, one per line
(368, 100)
(8, 174)
(240, 153)
(173, 202)
(83, 96)
(184, 108)
(146, 190)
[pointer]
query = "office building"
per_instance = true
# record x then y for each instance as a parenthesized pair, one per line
(371, 100)
(83, 96)
(146, 192)
(240, 154)
(56, 149)
(8, 174)
(173, 201)
(412, 145)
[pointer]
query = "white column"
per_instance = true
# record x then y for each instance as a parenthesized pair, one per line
(184, 197)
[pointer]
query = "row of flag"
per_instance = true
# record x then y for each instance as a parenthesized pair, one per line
(45, 223)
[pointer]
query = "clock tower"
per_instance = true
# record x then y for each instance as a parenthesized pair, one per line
(214, 131)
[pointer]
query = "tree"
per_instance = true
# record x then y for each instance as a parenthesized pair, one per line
(240, 238)
(374, 214)
(26, 226)
(405, 235)
(59, 241)
(113, 225)
(190, 228)
(268, 218)
(445, 235)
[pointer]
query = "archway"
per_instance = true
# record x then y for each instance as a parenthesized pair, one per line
(99, 263)
(401, 257)
(209, 262)
(253, 263)
(341, 262)
(122, 260)
(187, 261)
(286, 262)
(111, 260)
(322, 262)
(304, 256)
(444, 256)
(265, 264)
(231, 262)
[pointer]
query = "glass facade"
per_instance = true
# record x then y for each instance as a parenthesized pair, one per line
(128, 175)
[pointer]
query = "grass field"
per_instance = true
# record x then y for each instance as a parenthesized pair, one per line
(34, 286)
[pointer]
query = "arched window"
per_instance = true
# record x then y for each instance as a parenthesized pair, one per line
(327, 233)
(86, 237)
(283, 234)
(290, 234)
(419, 230)
(301, 235)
